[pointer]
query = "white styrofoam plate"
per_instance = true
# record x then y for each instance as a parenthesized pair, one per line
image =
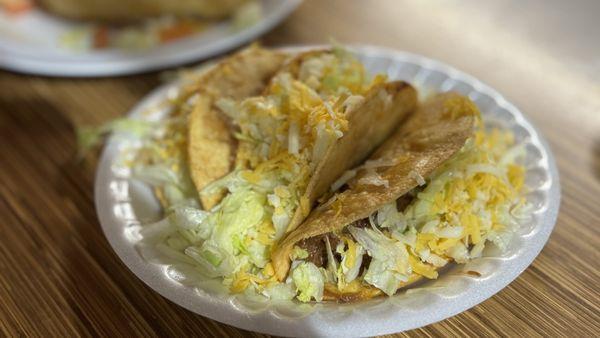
(121, 204)
(29, 44)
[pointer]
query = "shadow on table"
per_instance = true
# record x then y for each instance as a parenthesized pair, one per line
(98, 293)
(111, 298)
(105, 296)
(88, 288)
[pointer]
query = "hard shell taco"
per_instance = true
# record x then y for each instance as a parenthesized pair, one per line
(262, 152)
(433, 193)
(211, 142)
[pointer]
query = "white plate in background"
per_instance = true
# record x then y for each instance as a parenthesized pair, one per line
(121, 204)
(29, 43)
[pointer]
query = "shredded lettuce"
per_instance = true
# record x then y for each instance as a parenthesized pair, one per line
(308, 281)
(187, 217)
(279, 291)
(381, 275)
(331, 262)
(210, 261)
(156, 175)
(389, 266)
(258, 253)
(157, 230)
(231, 182)
(90, 137)
(191, 223)
(239, 212)
(298, 253)
(379, 246)
(388, 216)
(409, 237)
(427, 256)
(459, 253)
(352, 259)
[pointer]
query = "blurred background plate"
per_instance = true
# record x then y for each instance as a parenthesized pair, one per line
(123, 204)
(30, 43)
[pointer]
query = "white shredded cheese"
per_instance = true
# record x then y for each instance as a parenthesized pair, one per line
(321, 143)
(349, 174)
(429, 227)
(274, 200)
(294, 139)
(329, 110)
(352, 101)
(329, 202)
(432, 258)
(380, 162)
(417, 177)
(373, 178)
(450, 232)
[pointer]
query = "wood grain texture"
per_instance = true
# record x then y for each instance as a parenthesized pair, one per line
(59, 276)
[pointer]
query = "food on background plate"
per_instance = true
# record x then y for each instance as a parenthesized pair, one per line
(16, 7)
(130, 10)
(138, 24)
(259, 169)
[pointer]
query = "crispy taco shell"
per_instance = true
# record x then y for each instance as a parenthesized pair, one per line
(362, 292)
(211, 146)
(430, 136)
(370, 123)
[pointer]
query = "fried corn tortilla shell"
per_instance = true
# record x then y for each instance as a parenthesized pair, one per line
(370, 123)
(358, 291)
(431, 135)
(130, 10)
(211, 146)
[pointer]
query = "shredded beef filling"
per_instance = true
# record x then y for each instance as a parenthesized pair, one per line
(316, 247)
(404, 201)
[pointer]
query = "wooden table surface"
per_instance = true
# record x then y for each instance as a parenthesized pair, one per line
(59, 276)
